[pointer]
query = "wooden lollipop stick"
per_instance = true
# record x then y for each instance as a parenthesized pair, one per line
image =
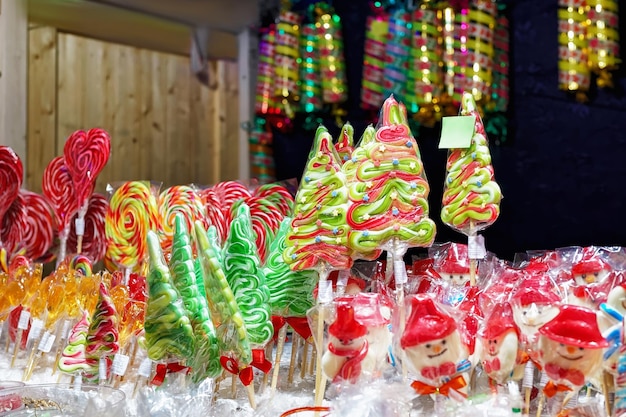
(268, 354)
(313, 361)
(233, 386)
(607, 387)
(527, 393)
(251, 398)
(282, 334)
(305, 359)
(295, 342)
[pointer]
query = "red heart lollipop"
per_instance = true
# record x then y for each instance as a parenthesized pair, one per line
(39, 225)
(11, 172)
(59, 190)
(86, 154)
(94, 241)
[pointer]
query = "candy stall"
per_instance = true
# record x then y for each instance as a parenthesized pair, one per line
(130, 289)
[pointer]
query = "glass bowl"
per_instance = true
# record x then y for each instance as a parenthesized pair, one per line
(64, 400)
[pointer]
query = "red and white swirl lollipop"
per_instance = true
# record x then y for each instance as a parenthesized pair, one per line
(86, 154)
(58, 188)
(11, 172)
(40, 223)
(13, 225)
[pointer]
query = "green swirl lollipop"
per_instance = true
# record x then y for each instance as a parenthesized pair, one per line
(246, 278)
(168, 330)
(291, 292)
(224, 310)
(206, 361)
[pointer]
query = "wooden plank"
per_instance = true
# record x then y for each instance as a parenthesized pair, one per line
(179, 155)
(203, 112)
(14, 76)
(229, 154)
(158, 170)
(218, 73)
(71, 98)
(41, 142)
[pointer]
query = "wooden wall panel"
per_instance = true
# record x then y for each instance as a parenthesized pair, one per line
(42, 74)
(165, 126)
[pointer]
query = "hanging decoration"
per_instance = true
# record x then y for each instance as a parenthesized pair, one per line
(311, 78)
(332, 63)
(574, 73)
(261, 153)
(603, 38)
(377, 29)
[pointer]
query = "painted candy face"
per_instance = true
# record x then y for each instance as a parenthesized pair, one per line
(499, 355)
(531, 317)
(436, 352)
(591, 277)
(568, 357)
(456, 279)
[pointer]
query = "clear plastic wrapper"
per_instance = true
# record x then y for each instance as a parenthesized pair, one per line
(571, 352)
(433, 348)
(377, 398)
(176, 398)
(471, 196)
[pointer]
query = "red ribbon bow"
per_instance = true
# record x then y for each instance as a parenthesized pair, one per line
(491, 365)
(455, 383)
(435, 372)
(163, 369)
(575, 376)
(246, 374)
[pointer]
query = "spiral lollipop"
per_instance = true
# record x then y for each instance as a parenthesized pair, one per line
(40, 225)
(81, 264)
(58, 188)
(377, 29)
(574, 73)
(94, 238)
(177, 199)
(397, 51)
(228, 192)
(11, 172)
(332, 63)
(214, 214)
(279, 195)
(131, 214)
(13, 225)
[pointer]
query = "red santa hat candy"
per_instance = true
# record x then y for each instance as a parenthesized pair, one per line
(589, 264)
(368, 309)
(535, 292)
(499, 322)
(575, 326)
(426, 322)
(456, 260)
(345, 327)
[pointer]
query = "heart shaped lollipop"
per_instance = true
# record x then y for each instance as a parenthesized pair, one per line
(11, 172)
(86, 154)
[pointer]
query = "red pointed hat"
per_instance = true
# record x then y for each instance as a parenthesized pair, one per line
(499, 322)
(535, 291)
(345, 326)
(426, 322)
(368, 308)
(456, 260)
(576, 326)
(591, 262)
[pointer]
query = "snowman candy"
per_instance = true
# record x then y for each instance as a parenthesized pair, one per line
(499, 338)
(592, 279)
(347, 347)
(454, 267)
(433, 349)
(570, 349)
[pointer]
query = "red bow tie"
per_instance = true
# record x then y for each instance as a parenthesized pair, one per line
(555, 372)
(434, 372)
(491, 365)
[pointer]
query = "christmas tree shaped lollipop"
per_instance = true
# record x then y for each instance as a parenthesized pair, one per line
(471, 197)
(167, 327)
(245, 276)
(102, 337)
(319, 231)
(206, 361)
(389, 189)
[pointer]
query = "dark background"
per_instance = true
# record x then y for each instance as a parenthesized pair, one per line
(562, 169)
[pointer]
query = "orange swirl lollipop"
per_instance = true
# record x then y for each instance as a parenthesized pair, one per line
(178, 199)
(131, 215)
